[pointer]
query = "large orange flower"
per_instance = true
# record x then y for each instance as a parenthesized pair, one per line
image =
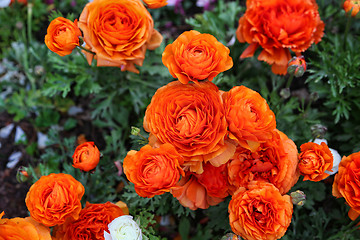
(249, 117)
(275, 161)
(92, 222)
(62, 36)
(54, 198)
(346, 183)
(260, 213)
(194, 56)
(154, 171)
(192, 194)
(22, 229)
(314, 160)
(118, 32)
(190, 117)
(277, 26)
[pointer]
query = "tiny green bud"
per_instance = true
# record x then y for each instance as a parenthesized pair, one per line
(135, 131)
(285, 93)
(298, 198)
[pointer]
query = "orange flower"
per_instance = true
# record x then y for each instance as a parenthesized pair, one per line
(260, 213)
(277, 26)
(86, 157)
(192, 194)
(119, 32)
(191, 118)
(19, 1)
(314, 160)
(92, 222)
(275, 161)
(22, 228)
(155, 3)
(346, 183)
(54, 198)
(62, 36)
(249, 117)
(353, 6)
(154, 171)
(214, 179)
(194, 56)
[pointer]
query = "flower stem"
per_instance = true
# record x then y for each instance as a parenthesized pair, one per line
(289, 81)
(347, 28)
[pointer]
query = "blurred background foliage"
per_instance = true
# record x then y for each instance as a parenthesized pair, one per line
(64, 98)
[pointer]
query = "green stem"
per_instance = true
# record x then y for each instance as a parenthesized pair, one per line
(86, 50)
(289, 81)
(81, 54)
(347, 28)
(29, 22)
(346, 230)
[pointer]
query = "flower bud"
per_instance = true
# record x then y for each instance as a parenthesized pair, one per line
(298, 198)
(22, 175)
(285, 93)
(135, 131)
(318, 131)
(297, 66)
(86, 157)
(230, 236)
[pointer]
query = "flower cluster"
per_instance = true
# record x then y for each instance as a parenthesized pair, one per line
(116, 33)
(54, 201)
(206, 144)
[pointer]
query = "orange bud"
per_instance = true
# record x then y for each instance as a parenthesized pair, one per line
(86, 157)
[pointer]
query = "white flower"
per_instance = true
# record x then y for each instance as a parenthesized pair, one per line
(336, 156)
(123, 228)
(4, 3)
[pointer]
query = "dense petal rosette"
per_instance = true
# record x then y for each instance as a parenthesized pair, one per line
(190, 117)
(154, 171)
(118, 32)
(86, 156)
(260, 213)
(54, 198)
(277, 26)
(275, 161)
(194, 56)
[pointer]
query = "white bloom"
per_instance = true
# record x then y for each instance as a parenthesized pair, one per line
(123, 228)
(336, 156)
(4, 3)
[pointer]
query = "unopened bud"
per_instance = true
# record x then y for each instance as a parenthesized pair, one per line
(19, 25)
(39, 70)
(285, 93)
(318, 131)
(135, 131)
(22, 175)
(231, 236)
(297, 66)
(298, 198)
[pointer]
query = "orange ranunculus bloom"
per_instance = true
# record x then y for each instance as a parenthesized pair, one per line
(22, 228)
(86, 156)
(62, 36)
(353, 6)
(214, 179)
(314, 160)
(194, 56)
(190, 117)
(277, 26)
(118, 32)
(192, 194)
(260, 213)
(19, 1)
(275, 161)
(250, 119)
(346, 183)
(155, 3)
(153, 171)
(54, 198)
(91, 224)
